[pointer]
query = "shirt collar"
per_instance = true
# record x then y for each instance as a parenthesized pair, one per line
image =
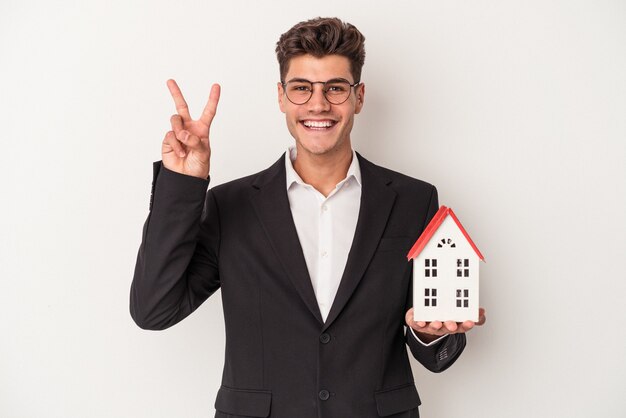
(293, 177)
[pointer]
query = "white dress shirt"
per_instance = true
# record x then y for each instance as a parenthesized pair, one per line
(326, 227)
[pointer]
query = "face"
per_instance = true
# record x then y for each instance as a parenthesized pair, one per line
(319, 127)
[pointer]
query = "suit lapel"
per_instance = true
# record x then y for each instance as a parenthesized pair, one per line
(377, 200)
(272, 208)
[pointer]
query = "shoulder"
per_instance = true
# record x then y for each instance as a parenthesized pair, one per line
(399, 182)
(247, 185)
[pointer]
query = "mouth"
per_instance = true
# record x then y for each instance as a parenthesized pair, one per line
(318, 125)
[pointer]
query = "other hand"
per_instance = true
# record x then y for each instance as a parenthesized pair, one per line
(435, 329)
(186, 148)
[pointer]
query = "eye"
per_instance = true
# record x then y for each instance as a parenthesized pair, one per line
(299, 87)
(337, 87)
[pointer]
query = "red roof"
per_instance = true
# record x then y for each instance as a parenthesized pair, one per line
(433, 225)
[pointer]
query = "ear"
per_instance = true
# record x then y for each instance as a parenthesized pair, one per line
(360, 97)
(281, 97)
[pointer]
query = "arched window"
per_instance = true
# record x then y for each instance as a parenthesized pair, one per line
(446, 242)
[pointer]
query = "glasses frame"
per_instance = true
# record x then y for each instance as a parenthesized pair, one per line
(333, 80)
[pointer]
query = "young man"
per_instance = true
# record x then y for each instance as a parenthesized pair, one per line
(309, 253)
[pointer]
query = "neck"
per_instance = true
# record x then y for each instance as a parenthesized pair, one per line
(323, 172)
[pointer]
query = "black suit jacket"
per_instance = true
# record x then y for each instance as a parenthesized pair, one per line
(282, 360)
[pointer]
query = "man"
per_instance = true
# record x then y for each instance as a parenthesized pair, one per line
(309, 253)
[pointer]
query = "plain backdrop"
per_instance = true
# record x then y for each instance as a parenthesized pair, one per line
(515, 110)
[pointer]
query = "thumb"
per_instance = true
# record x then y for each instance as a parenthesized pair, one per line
(189, 139)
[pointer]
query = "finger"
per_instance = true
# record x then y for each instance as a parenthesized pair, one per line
(191, 141)
(451, 326)
(174, 144)
(467, 325)
(435, 325)
(179, 100)
(211, 106)
(420, 324)
(177, 124)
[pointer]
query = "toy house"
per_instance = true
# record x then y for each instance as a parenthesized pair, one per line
(445, 271)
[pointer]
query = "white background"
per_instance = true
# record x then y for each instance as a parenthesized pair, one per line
(514, 109)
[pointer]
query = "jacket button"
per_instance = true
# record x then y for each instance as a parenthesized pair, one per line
(324, 395)
(325, 338)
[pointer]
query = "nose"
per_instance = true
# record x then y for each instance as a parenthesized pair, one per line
(318, 103)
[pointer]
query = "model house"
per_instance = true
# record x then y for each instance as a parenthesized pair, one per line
(445, 271)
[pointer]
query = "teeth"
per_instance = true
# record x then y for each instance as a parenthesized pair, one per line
(315, 124)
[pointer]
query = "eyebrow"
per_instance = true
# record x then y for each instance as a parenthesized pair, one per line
(327, 81)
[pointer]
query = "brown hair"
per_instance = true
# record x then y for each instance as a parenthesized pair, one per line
(320, 37)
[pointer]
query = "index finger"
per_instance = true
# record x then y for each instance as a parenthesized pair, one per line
(179, 100)
(211, 106)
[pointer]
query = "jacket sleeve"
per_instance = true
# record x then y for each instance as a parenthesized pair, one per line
(176, 268)
(441, 354)
(438, 356)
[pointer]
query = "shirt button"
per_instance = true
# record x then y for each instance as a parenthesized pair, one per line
(325, 338)
(324, 254)
(324, 208)
(324, 395)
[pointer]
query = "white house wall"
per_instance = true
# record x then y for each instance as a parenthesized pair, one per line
(446, 281)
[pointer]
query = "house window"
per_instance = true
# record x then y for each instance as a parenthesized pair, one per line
(446, 241)
(430, 297)
(430, 267)
(462, 298)
(462, 267)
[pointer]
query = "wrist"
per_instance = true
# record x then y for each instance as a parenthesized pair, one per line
(425, 337)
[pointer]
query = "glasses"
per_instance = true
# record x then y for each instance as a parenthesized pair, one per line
(336, 91)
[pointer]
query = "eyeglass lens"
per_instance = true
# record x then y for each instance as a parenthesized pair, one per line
(336, 92)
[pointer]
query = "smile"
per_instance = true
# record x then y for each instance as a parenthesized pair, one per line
(318, 125)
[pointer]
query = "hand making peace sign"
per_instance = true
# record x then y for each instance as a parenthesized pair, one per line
(186, 148)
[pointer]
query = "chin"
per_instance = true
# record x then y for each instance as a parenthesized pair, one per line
(319, 147)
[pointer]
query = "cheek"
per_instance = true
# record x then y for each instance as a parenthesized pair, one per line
(292, 117)
(292, 125)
